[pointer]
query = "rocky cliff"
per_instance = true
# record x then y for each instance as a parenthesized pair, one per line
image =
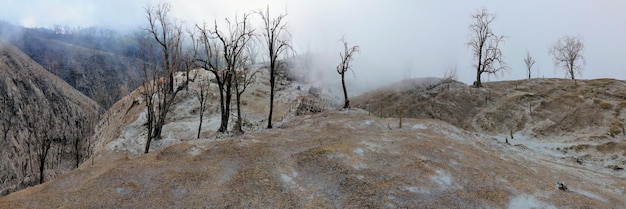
(45, 123)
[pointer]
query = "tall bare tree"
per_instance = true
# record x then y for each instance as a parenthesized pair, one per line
(166, 59)
(278, 42)
(346, 57)
(222, 53)
(567, 53)
(485, 46)
(530, 61)
(210, 59)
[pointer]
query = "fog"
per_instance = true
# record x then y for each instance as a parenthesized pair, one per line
(399, 39)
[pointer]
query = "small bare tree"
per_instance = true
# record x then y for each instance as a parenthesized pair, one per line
(277, 40)
(485, 46)
(203, 95)
(530, 61)
(42, 133)
(244, 76)
(567, 54)
(346, 57)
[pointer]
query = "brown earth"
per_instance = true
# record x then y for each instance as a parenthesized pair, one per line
(332, 160)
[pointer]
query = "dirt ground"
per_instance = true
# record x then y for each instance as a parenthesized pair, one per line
(333, 160)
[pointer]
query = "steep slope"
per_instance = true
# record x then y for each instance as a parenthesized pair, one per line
(332, 160)
(41, 117)
(103, 76)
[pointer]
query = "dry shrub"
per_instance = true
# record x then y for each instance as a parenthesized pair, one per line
(616, 127)
(619, 108)
(259, 93)
(603, 104)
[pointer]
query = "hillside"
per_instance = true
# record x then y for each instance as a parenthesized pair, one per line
(446, 154)
(582, 124)
(103, 76)
(37, 110)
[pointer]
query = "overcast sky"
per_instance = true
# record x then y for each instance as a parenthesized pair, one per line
(398, 38)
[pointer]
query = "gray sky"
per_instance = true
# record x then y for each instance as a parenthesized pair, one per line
(398, 38)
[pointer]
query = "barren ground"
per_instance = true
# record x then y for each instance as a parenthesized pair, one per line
(450, 153)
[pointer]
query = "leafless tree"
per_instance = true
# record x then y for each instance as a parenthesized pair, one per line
(567, 53)
(485, 45)
(244, 76)
(148, 91)
(203, 95)
(211, 60)
(7, 124)
(278, 42)
(165, 60)
(448, 77)
(530, 61)
(222, 53)
(43, 138)
(346, 57)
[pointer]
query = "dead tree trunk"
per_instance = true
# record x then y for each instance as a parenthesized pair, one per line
(346, 103)
(204, 88)
(277, 41)
(43, 154)
(346, 57)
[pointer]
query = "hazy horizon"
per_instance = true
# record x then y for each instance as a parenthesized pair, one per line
(398, 39)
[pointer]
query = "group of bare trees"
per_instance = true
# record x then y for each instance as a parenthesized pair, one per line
(164, 57)
(485, 44)
(227, 51)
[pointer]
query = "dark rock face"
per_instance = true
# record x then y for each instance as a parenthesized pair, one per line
(43, 120)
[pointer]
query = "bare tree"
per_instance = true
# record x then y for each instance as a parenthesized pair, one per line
(530, 61)
(165, 60)
(221, 55)
(244, 76)
(485, 45)
(567, 53)
(344, 66)
(210, 59)
(42, 134)
(203, 97)
(277, 40)
(149, 89)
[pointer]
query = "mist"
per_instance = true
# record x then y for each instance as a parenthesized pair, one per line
(399, 39)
